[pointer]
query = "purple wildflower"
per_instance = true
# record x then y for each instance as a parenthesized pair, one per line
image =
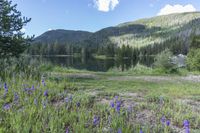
(118, 109)
(78, 104)
(186, 123)
(187, 130)
(119, 130)
(67, 130)
(168, 122)
(7, 107)
(66, 99)
(16, 97)
(118, 106)
(5, 86)
(141, 130)
(29, 90)
(43, 82)
(163, 119)
(33, 88)
(46, 93)
(96, 120)
(112, 104)
(5, 89)
(116, 97)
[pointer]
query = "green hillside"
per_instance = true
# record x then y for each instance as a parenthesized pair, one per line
(150, 35)
(149, 31)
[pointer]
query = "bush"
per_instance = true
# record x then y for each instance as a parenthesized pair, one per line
(193, 59)
(163, 61)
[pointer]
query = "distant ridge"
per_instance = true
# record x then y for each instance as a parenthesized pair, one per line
(138, 33)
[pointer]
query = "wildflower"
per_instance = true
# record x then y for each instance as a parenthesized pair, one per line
(16, 97)
(6, 89)
(29, 90)
(116, 98)
(96, 120)
(118, 109)
(112, 104)
(43, 82)
(168, 122)
(46, 93)
(163, 120)
(67, 130)
(66, 99)
(119, 130)
(78, 104)
(141, 130)
(187, 130)
(186, 123)
(7, 107)
(118, 106)
(33, 88)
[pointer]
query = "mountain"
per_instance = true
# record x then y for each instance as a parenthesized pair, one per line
(62, 36)
(138, 33)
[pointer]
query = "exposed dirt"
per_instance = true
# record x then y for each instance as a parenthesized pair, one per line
(77, 75)
(191, 78)
(83, 76)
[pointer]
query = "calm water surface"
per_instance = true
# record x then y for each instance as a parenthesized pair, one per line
(94, 64)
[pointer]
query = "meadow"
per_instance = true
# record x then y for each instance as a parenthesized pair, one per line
(141, 77)
(81, 101)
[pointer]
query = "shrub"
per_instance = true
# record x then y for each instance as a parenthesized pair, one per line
(193, 59)
(163, 61)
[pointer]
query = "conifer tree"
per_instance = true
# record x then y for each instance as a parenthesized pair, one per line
(12, 40)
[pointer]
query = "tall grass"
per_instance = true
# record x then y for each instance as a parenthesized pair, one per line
(23, 67)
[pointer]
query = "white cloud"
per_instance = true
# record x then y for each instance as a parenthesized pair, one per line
(49, 29)
(106, 5)
(169, 9)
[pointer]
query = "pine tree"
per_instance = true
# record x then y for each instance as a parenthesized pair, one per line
(12, 40)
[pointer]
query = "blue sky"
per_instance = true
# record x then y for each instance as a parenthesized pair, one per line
(93, 15)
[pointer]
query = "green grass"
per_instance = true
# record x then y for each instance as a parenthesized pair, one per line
(144, 103)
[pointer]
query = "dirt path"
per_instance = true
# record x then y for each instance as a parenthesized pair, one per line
(191, 78)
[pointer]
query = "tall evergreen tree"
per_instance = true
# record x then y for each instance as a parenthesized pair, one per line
(12, 40)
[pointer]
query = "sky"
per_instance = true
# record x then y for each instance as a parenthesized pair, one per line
(93, 15)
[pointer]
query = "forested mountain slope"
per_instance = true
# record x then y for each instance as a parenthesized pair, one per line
(150, 35)
(149, 31)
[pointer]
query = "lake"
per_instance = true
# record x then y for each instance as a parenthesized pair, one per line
(94, 64)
